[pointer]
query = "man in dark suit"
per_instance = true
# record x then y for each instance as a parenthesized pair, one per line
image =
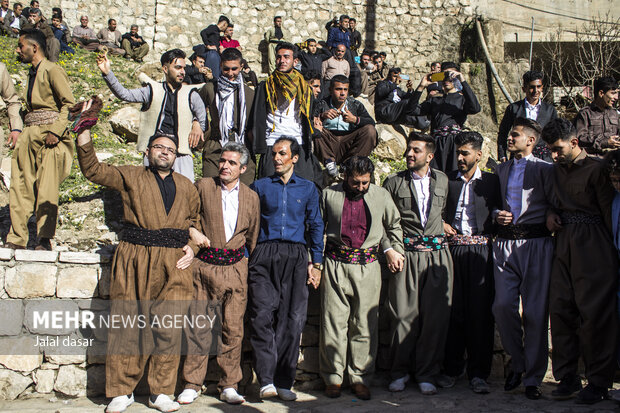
(473, 195)
(532, 107)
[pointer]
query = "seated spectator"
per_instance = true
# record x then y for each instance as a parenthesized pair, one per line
(249, 77)
(340, 35)
(314, 80)
(392, 104)
(84, 36)
(384, 59)
(313, 58)
(365, 67)
(211, 41)
(15, 21)
(61, 32)
(37, 21)
(134, 45)
(379, 74)
(4, 10)
(34, 4)
(335, 65)
(598, 125)
(197, 73)
(111, 38)
(343, 126)
(227, 41)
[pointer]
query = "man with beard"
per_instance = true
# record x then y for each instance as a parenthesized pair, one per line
(473, 195)
(43, 151)
(522, 252)
(151, 272)
(357, 215)
(15, 21)
(221, 272)
(168, 107)
(532, 107)
(280, 269)
(283, 107)
(447, 114)
(230, 102)
(584, 276)
(274, 36)
(420, 293)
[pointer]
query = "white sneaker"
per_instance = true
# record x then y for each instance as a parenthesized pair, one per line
(268, 391)
(332, 168)
(399, 384)
(163, 403)
(427, 389)
(230, 395)
(287, 394)
(187, 396)
(119, 404)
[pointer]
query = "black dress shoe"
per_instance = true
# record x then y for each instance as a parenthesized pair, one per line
(512, 381)
(591, 394)
(568, 386)
(533, 392)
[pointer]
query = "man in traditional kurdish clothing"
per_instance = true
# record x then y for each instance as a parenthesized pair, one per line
(229, 101)
(280, 269)
(419, 295)
(151, 268)
(584, 276)
(221, 273)
(169, 107)
(44, 152)
(473, 195)
(357, 215)
(274, 36)
(11, 100)
(283, 107)
(522, 252)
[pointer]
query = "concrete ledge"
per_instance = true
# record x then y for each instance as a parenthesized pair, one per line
(79, 257)
(36, 256)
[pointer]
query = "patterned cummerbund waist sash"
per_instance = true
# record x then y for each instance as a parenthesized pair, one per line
(164, 237)
(446, 130)
(522, 231)
(579, 218)
(424, 243)
(221, 256)
(40, 117)
(460, 239)
(349, 255)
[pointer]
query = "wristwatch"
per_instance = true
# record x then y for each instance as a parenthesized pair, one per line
(318, 266)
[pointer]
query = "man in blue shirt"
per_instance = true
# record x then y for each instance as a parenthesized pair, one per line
(279, 270)
(340, 35)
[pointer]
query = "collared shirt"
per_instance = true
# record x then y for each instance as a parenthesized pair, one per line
(355, 219)
(422, 186)
(531, 111)
(332, 67)
(514, 188)
(336, 36)
(287, 123)
(167, 188)
(15, 23)
(465, 217)
(229, 44)
(286, 209)
(32, 75)
(79, 31)
(337, 124)
(230, 209)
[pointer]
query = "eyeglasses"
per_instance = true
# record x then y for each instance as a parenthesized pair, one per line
(164, 148)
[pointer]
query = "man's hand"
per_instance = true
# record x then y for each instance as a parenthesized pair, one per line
(447, 228)
(199, 238)
(349, 117)
(409, 85)
(554, 222)
(12, 141)
(318, 125)
(424, 82)
(330, 114)
(222, 48)
(454, 74)
(103, 63)
(614, 141)
(314, 276)
(196, 135)
(395, 260)
(503, 218)
(186, 260)
(51, 140)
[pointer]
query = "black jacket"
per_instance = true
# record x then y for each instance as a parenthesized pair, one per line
(384, 95)
(449, 109)
(313, 61)
(355, 107)
(193, 76)
(517, 110)
(487, 197)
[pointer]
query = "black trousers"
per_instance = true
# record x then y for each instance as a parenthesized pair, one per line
(445, 152)
(278, 298)
(400, 113)
(471, 321)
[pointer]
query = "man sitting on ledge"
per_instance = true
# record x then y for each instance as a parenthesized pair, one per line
(392, 104)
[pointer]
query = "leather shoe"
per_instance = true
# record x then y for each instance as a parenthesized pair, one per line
(44, 245)
(332, 390)
(361, 391)
(533, 392)
(512, 381)
(14, 246)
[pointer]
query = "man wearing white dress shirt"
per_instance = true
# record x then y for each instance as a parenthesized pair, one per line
(523, 252)
(229, 227)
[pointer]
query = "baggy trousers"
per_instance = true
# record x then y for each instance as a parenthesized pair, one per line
(471, 321)
(340, 146)
(582, 303)
(278, 300)
(522, 269)
(419, 301)
(226, 285)
(349, 321)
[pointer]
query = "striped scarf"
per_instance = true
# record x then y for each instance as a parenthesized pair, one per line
(291, 85)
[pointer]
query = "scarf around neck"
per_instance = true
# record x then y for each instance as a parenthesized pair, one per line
(291, 86)
(225, 102)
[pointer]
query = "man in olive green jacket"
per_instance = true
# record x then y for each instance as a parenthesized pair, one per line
(362, 222)
(273, 36)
